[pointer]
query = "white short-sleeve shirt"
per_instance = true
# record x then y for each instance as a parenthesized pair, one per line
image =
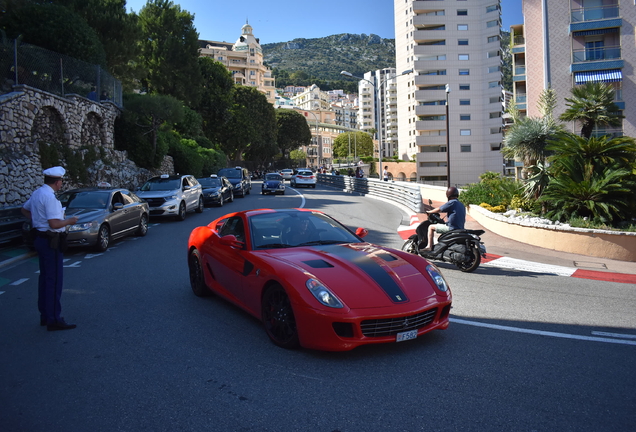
(44, 206)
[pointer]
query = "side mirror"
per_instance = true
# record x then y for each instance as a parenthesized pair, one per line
(187, 187)
(118, 206)
(430, 202)
(231, 241)
(362, 232)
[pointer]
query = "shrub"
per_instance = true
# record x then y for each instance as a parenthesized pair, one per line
(494, 209)
(492, 190)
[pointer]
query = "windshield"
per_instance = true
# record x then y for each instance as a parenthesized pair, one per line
(273, 177)
(293, 229)
(230, 173)
(210, 182)
(161, 184)
(85, 200)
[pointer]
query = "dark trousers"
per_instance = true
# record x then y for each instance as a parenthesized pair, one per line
(50, 282)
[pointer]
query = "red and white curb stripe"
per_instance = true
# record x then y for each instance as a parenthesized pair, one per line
(405, 231)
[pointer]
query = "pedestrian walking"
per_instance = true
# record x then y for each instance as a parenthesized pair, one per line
(47, 218)
(385, 174)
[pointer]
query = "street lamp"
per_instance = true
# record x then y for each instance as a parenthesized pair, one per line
(447, 139)
(378, 90)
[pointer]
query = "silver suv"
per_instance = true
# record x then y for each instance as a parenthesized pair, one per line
(174, 195)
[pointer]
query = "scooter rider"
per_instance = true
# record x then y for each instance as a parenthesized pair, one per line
(456, 216)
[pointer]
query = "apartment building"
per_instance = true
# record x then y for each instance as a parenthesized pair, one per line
(451, 45)
(312, 98)
(570, 42)
(244, 59)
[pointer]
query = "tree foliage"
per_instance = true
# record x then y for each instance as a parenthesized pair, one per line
(170, 51)
(293, 130)
(352, 144)
(216, 97)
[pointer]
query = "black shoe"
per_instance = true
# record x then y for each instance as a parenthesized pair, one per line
(60, 325)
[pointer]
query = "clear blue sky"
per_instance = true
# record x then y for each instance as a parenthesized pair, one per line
(281, 21)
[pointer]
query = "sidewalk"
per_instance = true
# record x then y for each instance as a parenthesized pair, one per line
(499, 247)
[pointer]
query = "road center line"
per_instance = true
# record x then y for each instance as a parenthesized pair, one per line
(614, 335)
(543, 333)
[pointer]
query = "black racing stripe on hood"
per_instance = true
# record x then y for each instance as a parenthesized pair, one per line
(373, 269)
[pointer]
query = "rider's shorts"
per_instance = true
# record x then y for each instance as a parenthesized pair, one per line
(441, 229)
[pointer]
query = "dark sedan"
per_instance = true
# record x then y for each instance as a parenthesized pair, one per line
(216, 190)
(104, 214)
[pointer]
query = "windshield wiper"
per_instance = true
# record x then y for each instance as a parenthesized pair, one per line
(273, 246)
(322, 242)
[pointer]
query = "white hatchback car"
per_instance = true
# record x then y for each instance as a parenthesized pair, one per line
(304, 177)
(287, 173)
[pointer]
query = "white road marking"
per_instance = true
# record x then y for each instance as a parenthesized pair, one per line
(1, 292)
(543, 333)
(19, 281)
(615, 335)
(89, 256)
(75, 264)
(517, 264)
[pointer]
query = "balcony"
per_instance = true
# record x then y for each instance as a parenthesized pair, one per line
(594, 13)
(596, 54)
(519, 40)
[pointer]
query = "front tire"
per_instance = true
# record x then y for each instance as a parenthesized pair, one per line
(197, 281)
(221, 201)
(278, 318)
(103, 238)
(182, 212)
(231, 196)
(471, 266)
(200, 206)
(410, 246)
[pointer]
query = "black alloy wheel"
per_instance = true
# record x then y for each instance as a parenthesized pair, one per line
(103, 238)
(200, 205)
(410, 246)
(197, 281)
(278, 318)
(221, 200)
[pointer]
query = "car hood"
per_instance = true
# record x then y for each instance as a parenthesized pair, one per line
(156, 194)
(211, 189)
(361, 274)
(86, 215)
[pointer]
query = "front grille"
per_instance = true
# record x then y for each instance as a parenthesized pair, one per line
(155, 202)
(393, 326)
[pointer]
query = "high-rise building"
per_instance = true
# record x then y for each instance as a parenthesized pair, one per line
(570, 42)
(244, 59)
(454, 45)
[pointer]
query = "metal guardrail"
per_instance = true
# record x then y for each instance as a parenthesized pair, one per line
(403, 193)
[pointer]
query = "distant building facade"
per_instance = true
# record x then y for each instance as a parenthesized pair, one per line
(454, 43)
(244, 59)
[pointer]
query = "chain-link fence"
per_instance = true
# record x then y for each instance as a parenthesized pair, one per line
(26, 64)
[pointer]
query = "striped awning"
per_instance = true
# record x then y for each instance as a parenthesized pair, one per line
(595, 32)
(613, 75)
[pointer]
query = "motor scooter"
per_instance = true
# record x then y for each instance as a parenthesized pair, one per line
(462, 247)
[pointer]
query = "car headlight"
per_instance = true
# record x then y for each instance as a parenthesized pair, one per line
(84, 226)
(237, 186)
(437, 277)
(322, 294)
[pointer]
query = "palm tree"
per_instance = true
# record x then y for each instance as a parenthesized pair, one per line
(527, 139)
(592, 104)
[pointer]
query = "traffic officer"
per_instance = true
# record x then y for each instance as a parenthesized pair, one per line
(47, 218)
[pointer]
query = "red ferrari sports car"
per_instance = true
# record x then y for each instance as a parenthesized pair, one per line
(313, 282)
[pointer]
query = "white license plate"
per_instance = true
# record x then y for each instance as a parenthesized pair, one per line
(408, 335)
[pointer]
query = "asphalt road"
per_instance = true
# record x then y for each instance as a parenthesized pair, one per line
(525, 351)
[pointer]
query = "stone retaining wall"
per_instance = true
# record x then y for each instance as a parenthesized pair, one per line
(29, 116)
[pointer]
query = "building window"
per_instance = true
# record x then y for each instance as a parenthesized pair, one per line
(493, 39)
(464, 148)
(493, 84)
(492, 8)
(462, 42)
(464, 101)
(462, 27)
(464, 86)
(463, 56)
(464, 132)
(461, 12)
(493, 69)
(495, 146)
(464, 71)
(493, 23)
(464, 116)
(492, 54)
(495, 114)
(495, 99)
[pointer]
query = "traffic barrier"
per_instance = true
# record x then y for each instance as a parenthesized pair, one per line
(403, 193)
